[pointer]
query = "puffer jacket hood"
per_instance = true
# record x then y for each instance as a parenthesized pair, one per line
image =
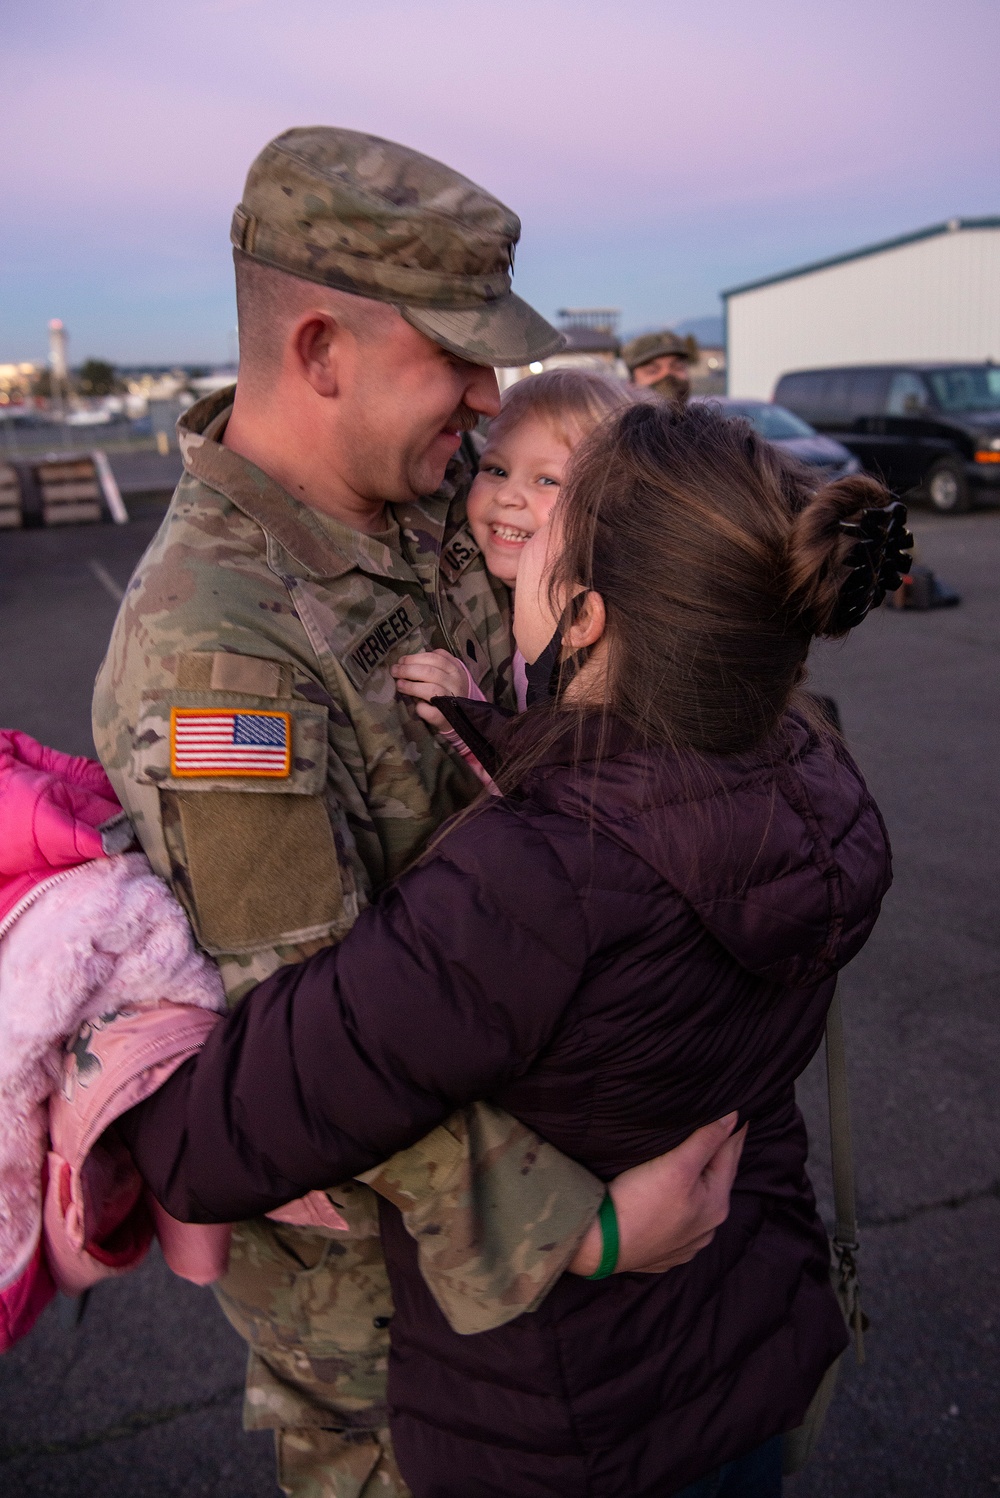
(775, 849)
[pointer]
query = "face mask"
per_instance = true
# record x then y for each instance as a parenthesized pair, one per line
(550, 675)
(543, 675)
(673, 388)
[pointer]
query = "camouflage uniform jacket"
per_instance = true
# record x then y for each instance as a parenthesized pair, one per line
(248, 601)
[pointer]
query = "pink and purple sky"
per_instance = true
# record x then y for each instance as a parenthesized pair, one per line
(656, 151)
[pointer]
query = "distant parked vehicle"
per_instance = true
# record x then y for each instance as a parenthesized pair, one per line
(790, 432)
(932, 428)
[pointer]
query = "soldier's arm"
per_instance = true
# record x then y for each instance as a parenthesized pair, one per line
(497, 1212)
(268, 872)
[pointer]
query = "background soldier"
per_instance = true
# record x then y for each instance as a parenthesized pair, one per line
(661, 362)
(247, 718)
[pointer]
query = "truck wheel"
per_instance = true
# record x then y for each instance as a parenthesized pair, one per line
(947, 487)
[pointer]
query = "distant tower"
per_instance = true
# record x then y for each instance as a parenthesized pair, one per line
(58, 366)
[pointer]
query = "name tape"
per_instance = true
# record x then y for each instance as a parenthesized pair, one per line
(381, 640)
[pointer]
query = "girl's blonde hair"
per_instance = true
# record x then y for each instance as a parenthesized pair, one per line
(573, 402)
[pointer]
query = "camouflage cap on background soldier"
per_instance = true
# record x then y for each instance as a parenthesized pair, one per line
(367, 216)
(662, 345)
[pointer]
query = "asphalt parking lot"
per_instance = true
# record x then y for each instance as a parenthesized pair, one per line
(142, 1398)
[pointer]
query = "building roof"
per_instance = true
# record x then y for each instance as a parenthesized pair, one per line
(591, 330)
(950, 226)
(589, 341)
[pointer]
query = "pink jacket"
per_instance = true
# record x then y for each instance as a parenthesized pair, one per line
(102, 995)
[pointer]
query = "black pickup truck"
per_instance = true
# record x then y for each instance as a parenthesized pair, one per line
(929, 428)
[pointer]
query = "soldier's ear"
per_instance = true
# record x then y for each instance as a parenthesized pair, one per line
(316, 343)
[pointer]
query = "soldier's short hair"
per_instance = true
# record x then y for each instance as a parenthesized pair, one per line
(268, 302)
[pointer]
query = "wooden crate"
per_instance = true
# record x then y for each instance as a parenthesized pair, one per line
(10, 498)
(71, 491)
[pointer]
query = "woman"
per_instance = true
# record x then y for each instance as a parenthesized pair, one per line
(641, 936)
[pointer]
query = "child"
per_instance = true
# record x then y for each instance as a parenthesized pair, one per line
(542, 421)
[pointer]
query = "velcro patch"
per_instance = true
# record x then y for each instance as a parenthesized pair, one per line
(379, 642)
(233, 741)
(462, 549)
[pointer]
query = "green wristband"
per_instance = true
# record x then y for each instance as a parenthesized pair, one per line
(608, 1218)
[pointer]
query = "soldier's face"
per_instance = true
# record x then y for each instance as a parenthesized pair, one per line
(519, 479)
(669, 366)
(404, 408)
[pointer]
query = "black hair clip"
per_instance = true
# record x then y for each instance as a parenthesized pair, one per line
(878, 562)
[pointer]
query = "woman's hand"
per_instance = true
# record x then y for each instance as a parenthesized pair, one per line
(669, 1208)
(431, 673)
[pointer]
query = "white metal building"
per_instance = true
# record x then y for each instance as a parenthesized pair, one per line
(930, 295)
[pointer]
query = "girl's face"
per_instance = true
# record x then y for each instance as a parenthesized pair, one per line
(520, 473)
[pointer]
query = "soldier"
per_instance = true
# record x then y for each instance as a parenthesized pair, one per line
(247, 718)
(661, 362)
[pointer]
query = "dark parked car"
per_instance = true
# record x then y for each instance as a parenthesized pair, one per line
(790, 432)
(934, 428)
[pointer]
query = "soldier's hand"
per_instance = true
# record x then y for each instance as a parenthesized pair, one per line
(669, 1208)
(427, 674)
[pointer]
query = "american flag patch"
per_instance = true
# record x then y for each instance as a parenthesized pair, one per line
(251, 742)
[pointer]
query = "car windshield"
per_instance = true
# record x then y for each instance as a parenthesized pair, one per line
(772, 422)
(976, 388)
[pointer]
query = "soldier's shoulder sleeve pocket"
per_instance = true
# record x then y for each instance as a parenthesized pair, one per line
(242, 777)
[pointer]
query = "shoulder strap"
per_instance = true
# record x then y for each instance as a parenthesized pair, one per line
(844, 1246)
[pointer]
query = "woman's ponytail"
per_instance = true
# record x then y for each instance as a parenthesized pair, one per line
(845, 552)
(718, 563)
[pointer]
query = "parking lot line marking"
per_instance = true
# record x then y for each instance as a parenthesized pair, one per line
(105, 579)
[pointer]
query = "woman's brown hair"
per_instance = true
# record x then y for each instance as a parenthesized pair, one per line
(718, 562)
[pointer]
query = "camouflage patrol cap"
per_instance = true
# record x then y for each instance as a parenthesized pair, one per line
(650, 346)
(374, 218)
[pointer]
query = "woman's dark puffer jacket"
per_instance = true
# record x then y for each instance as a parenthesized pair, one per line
(629, 949)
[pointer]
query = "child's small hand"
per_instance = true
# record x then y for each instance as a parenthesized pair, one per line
(431, 673)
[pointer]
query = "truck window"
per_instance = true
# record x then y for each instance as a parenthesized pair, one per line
(802, 393)
(867, 386)
(974, 388)
(907, 394)
(837, 395)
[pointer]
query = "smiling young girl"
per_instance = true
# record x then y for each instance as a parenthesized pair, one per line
(542, 421)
